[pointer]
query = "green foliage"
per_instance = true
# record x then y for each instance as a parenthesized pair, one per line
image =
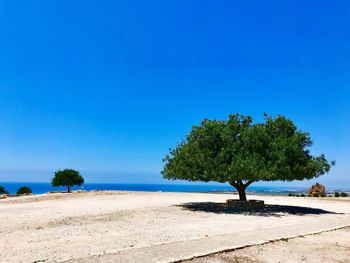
(315, 194)
(3, 190)
(336, 194)
(323, 195)
(342, 194)
(297, 195)
(240, 152)
(24, 190)
(67, 177)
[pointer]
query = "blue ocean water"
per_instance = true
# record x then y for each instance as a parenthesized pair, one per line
(40, 188)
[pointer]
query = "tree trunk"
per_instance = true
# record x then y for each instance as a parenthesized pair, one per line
(241, 187)
(68, 188)
(242, 194)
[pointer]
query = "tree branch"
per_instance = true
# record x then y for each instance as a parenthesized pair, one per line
(248, 183)
(234, 184)
(239, 183)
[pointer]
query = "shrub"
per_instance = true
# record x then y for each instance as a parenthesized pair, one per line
(342, 194)
(3, 191)
(323, 195)
(315, 194)
(290, 195)
(24, 190)
(336, 194)
(302, 195)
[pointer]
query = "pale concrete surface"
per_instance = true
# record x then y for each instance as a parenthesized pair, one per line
(327, 247)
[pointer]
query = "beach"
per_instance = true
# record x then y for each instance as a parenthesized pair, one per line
(121, 226)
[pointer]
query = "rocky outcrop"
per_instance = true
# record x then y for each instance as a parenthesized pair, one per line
(317, 189)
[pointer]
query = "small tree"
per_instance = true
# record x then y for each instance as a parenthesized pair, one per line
(240, 152)
(3, 190)
(24, 190)
(67, 177)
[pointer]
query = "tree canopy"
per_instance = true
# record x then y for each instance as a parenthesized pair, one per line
(241, 152)
(67, 177)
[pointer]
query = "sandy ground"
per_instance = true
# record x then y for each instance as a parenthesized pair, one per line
(333, 246)
(151, 227)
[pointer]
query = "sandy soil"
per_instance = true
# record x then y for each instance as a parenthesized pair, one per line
(327, 247)
(151, 227)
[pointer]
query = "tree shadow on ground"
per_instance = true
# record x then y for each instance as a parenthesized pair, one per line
(269, 210)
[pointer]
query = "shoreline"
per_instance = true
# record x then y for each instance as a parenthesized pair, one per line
(233, 193)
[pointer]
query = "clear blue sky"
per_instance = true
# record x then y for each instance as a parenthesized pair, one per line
(107, 87)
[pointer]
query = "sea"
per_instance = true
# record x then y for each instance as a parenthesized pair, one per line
(40, 188)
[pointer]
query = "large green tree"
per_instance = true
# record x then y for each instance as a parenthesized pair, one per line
(241, 152)
(68, 178)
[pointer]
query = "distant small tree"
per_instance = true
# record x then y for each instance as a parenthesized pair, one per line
(24, 190)
(3, 190)
(241, 152)
(68, 178)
